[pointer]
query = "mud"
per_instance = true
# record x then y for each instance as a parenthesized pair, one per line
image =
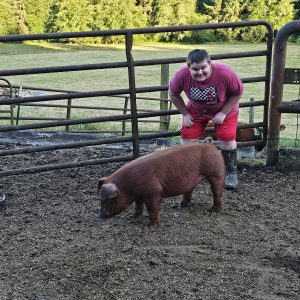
(53, 246)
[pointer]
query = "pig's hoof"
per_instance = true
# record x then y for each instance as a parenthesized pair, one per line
(137, 215)
(154, 227)
(184, 204)
(215, 210)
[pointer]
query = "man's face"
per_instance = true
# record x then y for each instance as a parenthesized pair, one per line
(200, 71)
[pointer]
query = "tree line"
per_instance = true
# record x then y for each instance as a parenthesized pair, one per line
(49, 16)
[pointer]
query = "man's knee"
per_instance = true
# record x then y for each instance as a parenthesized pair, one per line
(231, 145)
(188, 141)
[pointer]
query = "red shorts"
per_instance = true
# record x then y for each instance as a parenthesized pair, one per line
(225, 132)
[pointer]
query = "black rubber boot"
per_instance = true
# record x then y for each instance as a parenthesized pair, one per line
(230, 159)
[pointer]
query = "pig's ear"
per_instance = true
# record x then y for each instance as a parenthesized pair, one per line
(99, 184)
(109, 191)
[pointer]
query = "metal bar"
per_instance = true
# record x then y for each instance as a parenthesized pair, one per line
(32, 118)
(112, 65)
(251, 104)
(85, 120)
(47, 168)
(292, 107)
(64, 35)
(270, 36)
(240, 126)
(64, 96)
(73, 106)
(102, 93)
(105, 141)
(72, 145)
(131, 77)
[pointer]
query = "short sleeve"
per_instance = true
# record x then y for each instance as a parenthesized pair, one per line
(176, 84)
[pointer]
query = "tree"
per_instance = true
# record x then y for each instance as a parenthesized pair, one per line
(173, 13)
(19, 10)
(71, 15)
(219, 11)
(8, 22)
(297, 9)
(276, 12)
(37, 13)
(117, 14)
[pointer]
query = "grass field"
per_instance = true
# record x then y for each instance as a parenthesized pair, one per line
(16, 55)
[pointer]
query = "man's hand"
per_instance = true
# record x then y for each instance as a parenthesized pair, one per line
(219, 118)
(188, 120)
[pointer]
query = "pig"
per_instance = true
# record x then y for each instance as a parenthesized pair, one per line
(169, 172)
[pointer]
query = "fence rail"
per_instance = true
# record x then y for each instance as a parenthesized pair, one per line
(132, 115)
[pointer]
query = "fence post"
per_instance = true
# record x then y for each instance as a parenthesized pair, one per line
(124, 113)
(69, 108)
(132, 88)
(251, 112)
(164, 80)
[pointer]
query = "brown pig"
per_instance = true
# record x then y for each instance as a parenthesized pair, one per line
(169, 172)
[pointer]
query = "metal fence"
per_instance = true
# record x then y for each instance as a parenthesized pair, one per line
(281, 76)
(134, 116)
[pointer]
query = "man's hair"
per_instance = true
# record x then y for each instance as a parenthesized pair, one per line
(197, 56)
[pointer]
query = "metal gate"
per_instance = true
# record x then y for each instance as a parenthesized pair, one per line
(281, 76)
(132, 91)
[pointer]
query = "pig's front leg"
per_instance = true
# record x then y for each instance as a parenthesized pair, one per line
(153, 208)
(139, 207)
(187, 197)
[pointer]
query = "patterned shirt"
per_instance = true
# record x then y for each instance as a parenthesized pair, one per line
(210, 94)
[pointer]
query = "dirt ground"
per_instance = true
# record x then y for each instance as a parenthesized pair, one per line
(53, 246)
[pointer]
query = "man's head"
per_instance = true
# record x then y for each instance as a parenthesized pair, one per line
(199, 65)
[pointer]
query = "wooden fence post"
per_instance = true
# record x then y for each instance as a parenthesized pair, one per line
(164, 80)
(251, 112)
(125, 109)
(69, 108)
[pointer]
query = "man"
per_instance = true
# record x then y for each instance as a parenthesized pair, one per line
(214, 87)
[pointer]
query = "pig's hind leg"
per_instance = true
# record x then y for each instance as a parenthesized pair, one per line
(187, 197)
(139, 208)
(217, 188)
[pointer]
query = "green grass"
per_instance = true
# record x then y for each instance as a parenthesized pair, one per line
(16, 55)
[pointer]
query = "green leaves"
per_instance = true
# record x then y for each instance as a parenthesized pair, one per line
(39, 16)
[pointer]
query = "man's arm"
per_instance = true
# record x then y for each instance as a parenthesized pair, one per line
(220, 116)
(178, 101)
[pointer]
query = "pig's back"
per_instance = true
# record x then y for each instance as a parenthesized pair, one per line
(191, 156)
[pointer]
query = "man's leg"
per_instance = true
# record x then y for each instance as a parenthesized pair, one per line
(188, 141)
(229, 152)
(195, 132)
(226, 135)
